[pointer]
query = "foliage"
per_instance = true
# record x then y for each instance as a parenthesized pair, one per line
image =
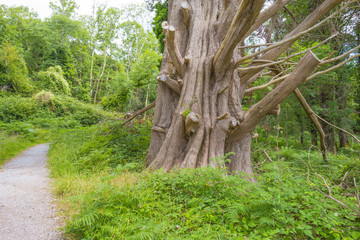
(116, 101)
(98, 170)
(196, 203)
(98, 148)
(146, 69)
(45, 105)
(13, 71)
(16, 108)
(161, 13)
(80, 157)
(53, 80)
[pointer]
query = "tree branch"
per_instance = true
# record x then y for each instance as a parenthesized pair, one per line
(270, 63)
(352, 135)
(267, 14)
(275, 80)
(341, 56)
(245, 16)
(332, 68)
(331, 197)
(252, 116)
(170, 83)
(173, 49)
(287, 41)
(186, 11)
(134, 115)
(273, 52)
(315, 121)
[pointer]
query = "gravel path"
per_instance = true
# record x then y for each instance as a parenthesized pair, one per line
(26, 211)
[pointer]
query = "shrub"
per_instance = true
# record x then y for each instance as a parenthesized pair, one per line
(15, 108)
(53, 80)
(13, 70)
(45, 105)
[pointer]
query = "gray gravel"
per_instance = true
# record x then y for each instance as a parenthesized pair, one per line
(26, 208)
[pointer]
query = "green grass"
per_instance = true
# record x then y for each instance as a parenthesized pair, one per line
(17, 137)
(106, 193)
(11, 145)
(27, 121)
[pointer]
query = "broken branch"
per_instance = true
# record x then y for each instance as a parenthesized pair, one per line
(341, 56)
(191, 123)
(270, 63)
(170, 83)
(173, 50)
(252, 116)
(134, 115)
(333, 68)
(185, 9)
(352, 135)
(315, 121)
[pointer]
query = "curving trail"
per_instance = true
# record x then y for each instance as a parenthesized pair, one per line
(26, 211)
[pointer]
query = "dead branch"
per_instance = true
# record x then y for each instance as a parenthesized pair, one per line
(331, 197)
(275, 80)
(350, 134)
(287, 58)
(309, 22)
(315, 121)
(333, 68)
(256, 46)
(340, 57)
(327, 186)
(134, 115)
(170, 83)
(173, 49)
(185, 9)
(292, 38)
(252, 116)
(267, 155)
(342, 183)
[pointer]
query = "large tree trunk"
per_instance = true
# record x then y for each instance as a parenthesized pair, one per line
(198, 114)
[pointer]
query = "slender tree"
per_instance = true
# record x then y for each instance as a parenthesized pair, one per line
(204, 78)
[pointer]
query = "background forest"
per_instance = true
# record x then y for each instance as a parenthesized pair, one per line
(70, 79)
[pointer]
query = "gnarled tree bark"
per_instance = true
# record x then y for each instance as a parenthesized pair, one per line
(198, 113)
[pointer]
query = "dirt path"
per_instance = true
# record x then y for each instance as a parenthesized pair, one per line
(26, 211)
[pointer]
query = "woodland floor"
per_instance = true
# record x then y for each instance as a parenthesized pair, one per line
(26, 208)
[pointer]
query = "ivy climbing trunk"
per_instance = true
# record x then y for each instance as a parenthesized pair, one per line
(202, 82)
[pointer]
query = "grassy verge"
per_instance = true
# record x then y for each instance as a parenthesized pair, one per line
(17, 137)
(26, 121)
(106, 194)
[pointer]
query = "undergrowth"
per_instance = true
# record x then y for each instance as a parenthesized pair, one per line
(99, 173)
(27, 121)
(54, 108)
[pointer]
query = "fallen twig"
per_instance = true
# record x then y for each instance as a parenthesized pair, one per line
(327, 186)
(267, 155)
